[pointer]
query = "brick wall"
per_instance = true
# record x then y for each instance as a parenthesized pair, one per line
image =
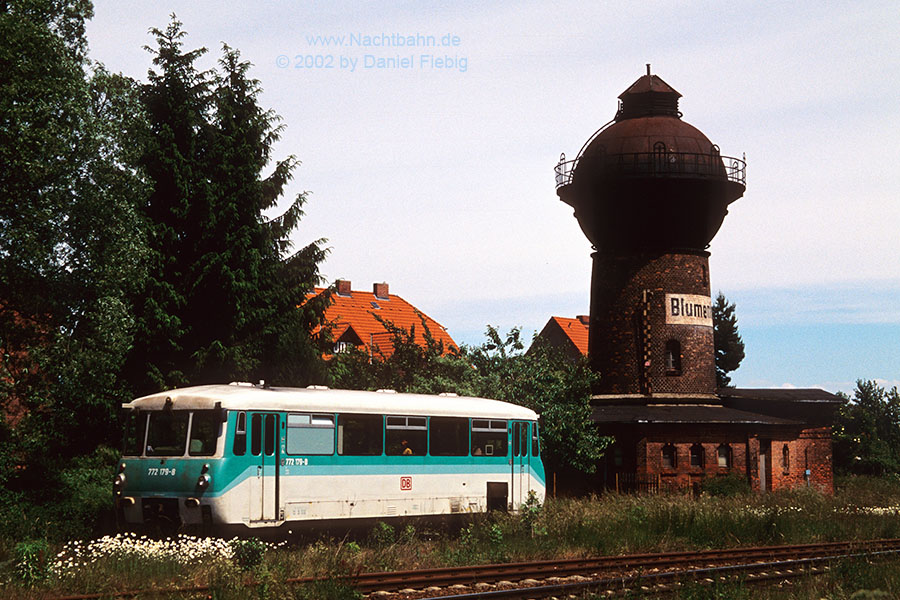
(811, 451)
(629, 333)
(642, 452)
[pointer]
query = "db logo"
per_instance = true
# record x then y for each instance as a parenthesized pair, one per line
(405, 484)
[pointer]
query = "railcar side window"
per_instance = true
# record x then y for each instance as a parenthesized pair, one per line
(256, 435)
(310, 434)
(489, 437)
(167, 433)
(240, 434)
(135, 430)
(204, 433)
(360, 435)
(405, 436)
(449, 436)
(535, 440)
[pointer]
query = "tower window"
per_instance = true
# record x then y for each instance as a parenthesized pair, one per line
(697, 456)
(668, 456)
(785, 457)
(673, 357)
(723, 454)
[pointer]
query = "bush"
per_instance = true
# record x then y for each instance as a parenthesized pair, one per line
(382, 535)
(74, 501)
(732, 484)
(31, 559)
(248, 554)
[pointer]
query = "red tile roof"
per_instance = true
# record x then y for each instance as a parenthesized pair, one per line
(352, 318)
(567, 332)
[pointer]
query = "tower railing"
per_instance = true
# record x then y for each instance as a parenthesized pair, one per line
(656, 164)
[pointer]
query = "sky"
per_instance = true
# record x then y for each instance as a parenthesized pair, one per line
(428, 133)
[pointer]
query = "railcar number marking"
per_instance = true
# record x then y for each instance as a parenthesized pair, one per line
(295, 462)
(158, 471)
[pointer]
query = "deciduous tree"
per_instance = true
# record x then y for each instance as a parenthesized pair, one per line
(867, 431)
(70, 241)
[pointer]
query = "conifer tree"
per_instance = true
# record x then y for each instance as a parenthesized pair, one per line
(176, 101)
(224, 298)
(728, 343)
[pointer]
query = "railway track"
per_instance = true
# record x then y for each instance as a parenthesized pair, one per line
(551, 578)
(445, 577)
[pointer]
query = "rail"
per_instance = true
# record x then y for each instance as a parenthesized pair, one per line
(656, 164)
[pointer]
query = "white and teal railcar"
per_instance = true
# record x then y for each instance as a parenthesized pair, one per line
(241, 456)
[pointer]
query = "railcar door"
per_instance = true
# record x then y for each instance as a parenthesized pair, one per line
(265, 447)
(519, 459)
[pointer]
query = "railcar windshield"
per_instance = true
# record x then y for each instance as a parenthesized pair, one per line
(167, 433)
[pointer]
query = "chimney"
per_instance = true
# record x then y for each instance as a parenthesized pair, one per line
(585, 320)
(343, 287)
(380, 290)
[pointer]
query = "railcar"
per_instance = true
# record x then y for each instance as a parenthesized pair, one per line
(247, 458)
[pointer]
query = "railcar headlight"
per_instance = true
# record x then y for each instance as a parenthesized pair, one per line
(203, 481)
(119, 482)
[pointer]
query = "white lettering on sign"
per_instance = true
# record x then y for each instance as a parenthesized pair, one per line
(689, 309)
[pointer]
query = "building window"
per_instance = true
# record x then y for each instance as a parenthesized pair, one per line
(697, 456)
(673, 357)
(723, 454)
(785, 458)
(668, 456)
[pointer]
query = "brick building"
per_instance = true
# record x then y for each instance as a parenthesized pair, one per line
(353, 317)
(650, 191)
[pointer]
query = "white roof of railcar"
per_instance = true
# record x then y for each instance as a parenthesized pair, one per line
(318, 399)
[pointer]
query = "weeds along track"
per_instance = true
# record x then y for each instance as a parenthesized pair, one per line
(548, 578)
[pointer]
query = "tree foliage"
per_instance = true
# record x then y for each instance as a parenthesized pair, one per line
(70, 242)
(221, 300)
(867, 431)
(728, 343)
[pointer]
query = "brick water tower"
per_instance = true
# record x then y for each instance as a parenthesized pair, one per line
(650, 191)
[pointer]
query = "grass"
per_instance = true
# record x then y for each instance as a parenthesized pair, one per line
(610, 524)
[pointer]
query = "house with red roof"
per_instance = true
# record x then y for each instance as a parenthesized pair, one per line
(569, 334)
(353, 317)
